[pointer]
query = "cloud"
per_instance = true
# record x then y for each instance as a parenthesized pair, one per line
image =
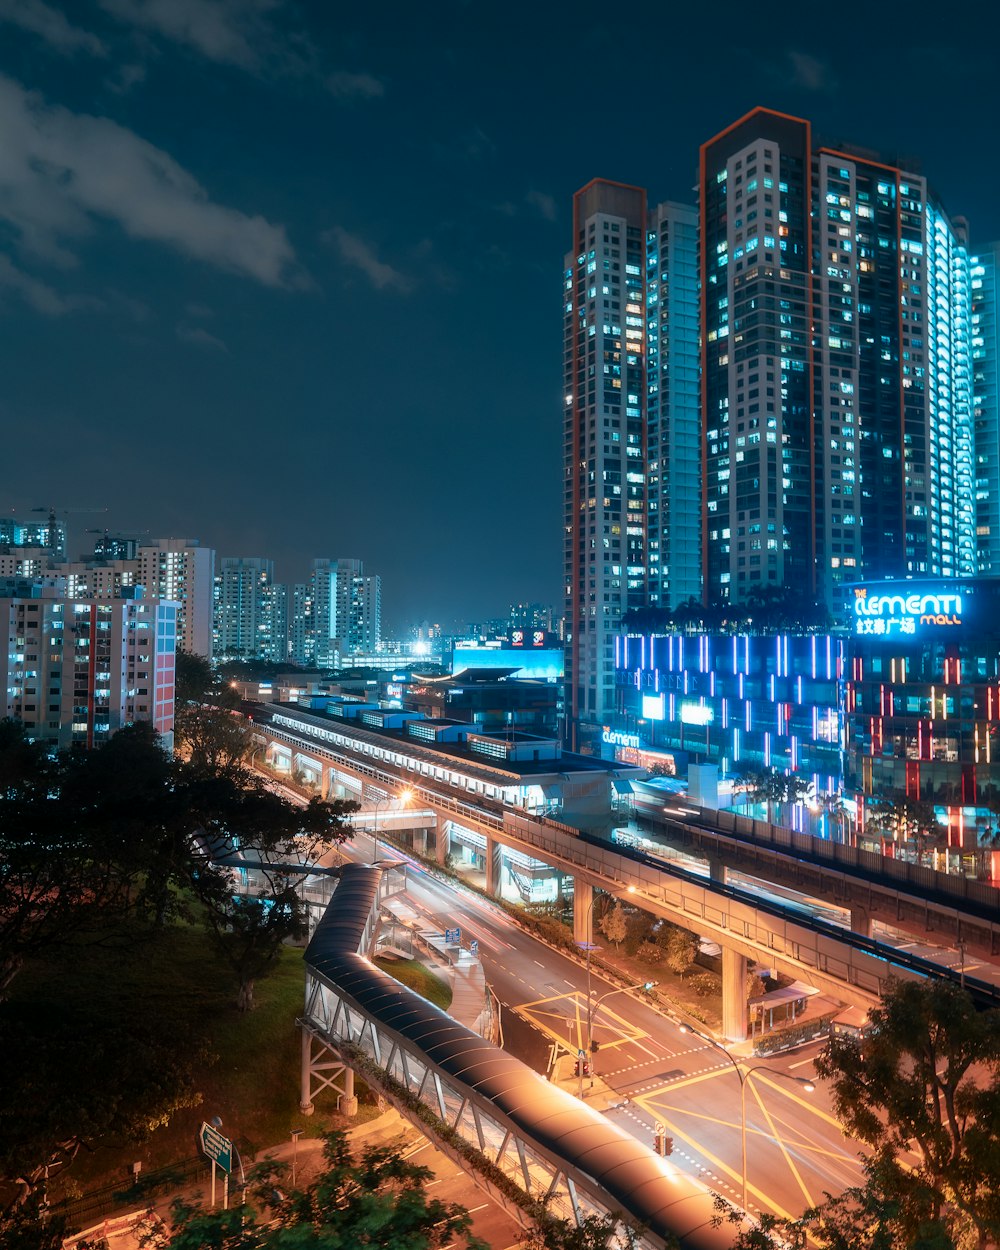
(200, 338)
(38, 295)
(61, 171)
(39, 18)
(356, 252)
(543, 204)
(810, 74)
(254, 35)
(347, 86)
(233, 32)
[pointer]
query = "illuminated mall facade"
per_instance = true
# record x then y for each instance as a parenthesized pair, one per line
(903, 698)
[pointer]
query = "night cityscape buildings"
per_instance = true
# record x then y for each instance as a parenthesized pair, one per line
(837, 421)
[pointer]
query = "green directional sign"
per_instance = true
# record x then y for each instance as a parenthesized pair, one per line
(216, 1147)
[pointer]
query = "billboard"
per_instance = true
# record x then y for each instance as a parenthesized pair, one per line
(903, 609)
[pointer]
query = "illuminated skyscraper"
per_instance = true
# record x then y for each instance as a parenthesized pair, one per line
(630, 467)
(836, 367)
(986, 404)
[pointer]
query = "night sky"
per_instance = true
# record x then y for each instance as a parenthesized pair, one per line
(286, 277)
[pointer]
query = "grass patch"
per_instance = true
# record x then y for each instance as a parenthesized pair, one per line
(419, 978)
(251, 1074)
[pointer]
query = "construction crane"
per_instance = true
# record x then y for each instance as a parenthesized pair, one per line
(53, 513)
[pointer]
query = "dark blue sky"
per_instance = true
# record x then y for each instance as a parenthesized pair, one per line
(286, 276)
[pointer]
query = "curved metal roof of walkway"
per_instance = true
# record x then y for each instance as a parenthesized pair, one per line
(586, 1144)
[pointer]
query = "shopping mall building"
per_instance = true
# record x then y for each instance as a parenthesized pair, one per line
(903, 697)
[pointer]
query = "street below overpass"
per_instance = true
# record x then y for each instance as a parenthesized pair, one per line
(647, 1072)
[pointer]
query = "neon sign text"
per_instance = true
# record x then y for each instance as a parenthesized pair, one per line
(886, 614)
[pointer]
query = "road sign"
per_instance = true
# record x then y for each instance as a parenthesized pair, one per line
(453, 936)
(216, 1147)
(581, 1054)
(474, 948)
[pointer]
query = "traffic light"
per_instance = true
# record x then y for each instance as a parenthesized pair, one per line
(583, 1067)
(663, 1145)
(595, 1047)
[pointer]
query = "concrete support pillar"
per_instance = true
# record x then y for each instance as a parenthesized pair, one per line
(325, 781)
(583, 912)
(347, 1103)
(305, 1087)
(419, 837)
(442, 841)
(861, 920)
(734, 995)
(716, 869)
(493, 862)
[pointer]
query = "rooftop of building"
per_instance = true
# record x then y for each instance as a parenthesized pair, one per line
(474, 764)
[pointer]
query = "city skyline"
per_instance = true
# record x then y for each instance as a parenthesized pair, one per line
(250, 242)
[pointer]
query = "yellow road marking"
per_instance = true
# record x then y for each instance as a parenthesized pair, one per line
(698, 1146)
(779, 1141)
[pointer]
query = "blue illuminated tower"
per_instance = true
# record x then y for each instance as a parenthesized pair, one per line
(986, 404)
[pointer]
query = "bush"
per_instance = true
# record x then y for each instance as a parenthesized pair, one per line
(649, 953)
(705, 984)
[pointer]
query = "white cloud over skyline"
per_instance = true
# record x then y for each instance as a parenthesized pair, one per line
(61, 172)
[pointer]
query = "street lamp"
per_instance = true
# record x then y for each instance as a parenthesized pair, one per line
(296, 1134)
(744, 1074)
(593, 1008)
(589, 927)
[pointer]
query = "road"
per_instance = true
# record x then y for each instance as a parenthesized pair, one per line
(648, 1070)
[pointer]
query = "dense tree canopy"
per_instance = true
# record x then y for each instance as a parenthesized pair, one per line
(921, 1093)
(378, 1199)
(110, 846)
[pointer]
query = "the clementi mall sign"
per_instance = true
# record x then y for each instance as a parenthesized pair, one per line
(893, 609)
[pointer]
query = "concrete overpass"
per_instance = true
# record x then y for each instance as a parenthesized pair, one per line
(850, 967)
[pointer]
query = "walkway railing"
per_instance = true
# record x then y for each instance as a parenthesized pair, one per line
(517, 1132)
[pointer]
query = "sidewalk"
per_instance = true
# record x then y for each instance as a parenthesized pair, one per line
(451, 963)
(449, 1184)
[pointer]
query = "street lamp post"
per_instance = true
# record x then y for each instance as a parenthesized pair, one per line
(593, 1008)
(296, 1134)
(744, 1073)
(590, 930)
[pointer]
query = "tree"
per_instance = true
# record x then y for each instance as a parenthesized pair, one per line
(921, 1092)
(379, 1199)
(900, 819)
(250, 932)
(679, 948)
(614, 925)
(594, 1232)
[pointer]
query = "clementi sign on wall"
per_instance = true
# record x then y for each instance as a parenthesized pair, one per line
(893, 612)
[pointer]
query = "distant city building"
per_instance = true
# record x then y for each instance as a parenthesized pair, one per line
(75, 670)
(985, 269)
(45, 536)
(302, 625)
(251, 619)
(530, 617)
(181, 570)
(115, 547)
(347, 607)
